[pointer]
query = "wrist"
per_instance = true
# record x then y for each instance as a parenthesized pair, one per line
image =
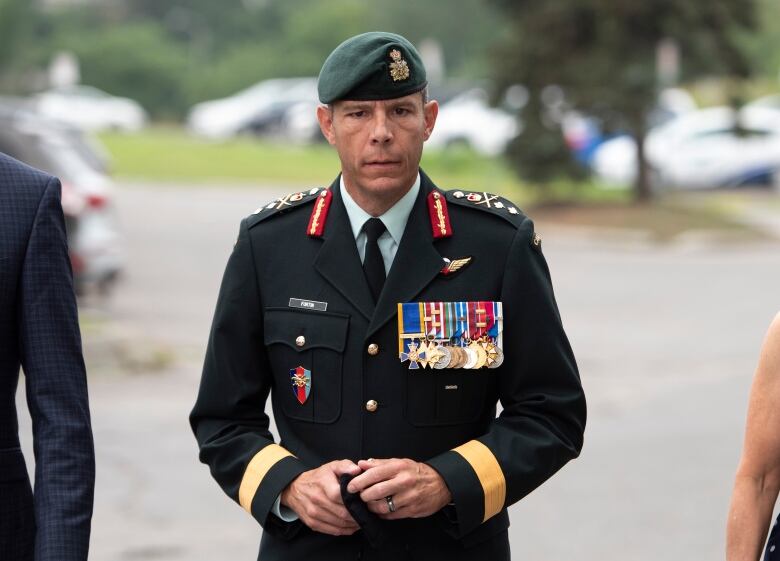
(284, 497)
(441, 490)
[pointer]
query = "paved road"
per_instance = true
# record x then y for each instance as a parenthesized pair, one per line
(666, 338)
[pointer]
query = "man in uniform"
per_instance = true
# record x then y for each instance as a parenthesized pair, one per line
(387, 317)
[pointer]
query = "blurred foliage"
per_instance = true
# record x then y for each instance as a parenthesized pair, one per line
(712, 91)
(763, 45)
(170, 54)
(16, 20)
(154, 75)
(599, 56)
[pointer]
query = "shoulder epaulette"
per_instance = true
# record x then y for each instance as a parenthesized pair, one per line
(283, 204)
(487, 202)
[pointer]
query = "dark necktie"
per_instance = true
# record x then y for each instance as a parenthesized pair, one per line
(373, 264)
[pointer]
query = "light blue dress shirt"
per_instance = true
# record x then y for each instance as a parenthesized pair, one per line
(394, 219)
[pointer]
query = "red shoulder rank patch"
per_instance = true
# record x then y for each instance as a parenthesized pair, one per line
(319, 214)
(440, 217)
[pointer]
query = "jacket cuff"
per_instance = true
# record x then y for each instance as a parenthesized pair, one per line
(266, 476)
(476, 482)
(282, 512)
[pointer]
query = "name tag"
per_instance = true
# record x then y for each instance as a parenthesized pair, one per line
(308, 304)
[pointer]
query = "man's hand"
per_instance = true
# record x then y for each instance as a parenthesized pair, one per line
(417, 489)
(315, 496)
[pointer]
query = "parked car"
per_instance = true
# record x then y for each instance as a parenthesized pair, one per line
(468, 119)
(584, 133)
(709, 148)
(261, 109)
(91, 109)
(771, 101)
(93, 235)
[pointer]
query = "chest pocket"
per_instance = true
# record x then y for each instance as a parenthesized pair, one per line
(314, 341)
(446, 397)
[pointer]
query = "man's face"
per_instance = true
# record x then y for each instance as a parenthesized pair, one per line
(379, 142)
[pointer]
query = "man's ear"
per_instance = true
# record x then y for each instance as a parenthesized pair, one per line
(430, 112)
(325, 118)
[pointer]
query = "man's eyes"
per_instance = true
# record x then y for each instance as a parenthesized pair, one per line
(398, 111)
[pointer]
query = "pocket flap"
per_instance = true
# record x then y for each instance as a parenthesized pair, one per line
(303, 330)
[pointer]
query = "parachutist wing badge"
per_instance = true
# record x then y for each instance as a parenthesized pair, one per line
(454, 265)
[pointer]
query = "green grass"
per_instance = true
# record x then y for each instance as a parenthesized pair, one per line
(169, 154)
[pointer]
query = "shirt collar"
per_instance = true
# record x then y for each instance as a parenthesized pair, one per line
(394, 219)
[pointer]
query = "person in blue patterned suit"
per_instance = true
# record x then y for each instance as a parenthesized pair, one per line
(39, 331)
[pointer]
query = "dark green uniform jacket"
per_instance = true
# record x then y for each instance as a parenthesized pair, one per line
(446, 418)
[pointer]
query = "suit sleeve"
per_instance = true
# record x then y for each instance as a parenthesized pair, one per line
(51, 357)
(543, 419)
(228, 418)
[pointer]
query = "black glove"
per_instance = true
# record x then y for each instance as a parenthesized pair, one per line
(373, 527)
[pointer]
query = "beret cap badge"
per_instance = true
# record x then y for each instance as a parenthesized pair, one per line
(399, 70)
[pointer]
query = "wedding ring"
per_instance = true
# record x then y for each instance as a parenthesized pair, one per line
(390, 505)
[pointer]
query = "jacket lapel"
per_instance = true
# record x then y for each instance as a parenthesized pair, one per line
(416, 263)
(338, 260)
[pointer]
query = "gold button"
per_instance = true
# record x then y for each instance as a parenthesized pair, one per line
(373, 349)
(371, 405)
(300, 340)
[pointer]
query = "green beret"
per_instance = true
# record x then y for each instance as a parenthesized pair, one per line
(375, 65)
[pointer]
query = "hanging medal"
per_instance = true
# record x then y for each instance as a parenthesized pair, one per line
(478, 324)
(496, 335)
(450, 335)
(410, 335)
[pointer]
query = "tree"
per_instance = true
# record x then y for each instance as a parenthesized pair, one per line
(135, 60)
(602, 54)
(15, 22)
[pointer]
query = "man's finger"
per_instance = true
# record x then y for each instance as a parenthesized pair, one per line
(378, 507)
(397, 515)
(372, 463)
(341, 467)
(331, 514)
(335, 509)
(333, 492)
(381, 490)
(382, 510)
(382, 472)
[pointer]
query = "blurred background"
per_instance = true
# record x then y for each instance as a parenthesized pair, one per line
(643, 138)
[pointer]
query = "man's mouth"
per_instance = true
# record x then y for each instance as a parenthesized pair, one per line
(382, 163)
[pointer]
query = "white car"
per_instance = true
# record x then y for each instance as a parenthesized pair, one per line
(91, 109)
(227, 117)
(469, 119)
(700, 150)
(772, 101)
(94, 240)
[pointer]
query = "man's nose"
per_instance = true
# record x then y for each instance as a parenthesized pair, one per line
(380, 131)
